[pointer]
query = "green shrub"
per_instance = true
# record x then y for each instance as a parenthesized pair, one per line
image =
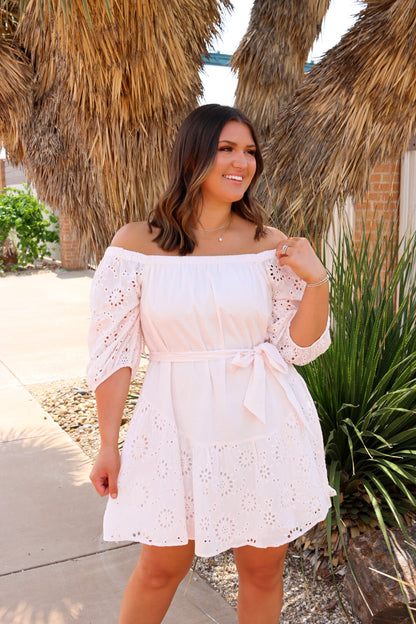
(27, 222)
(364, 386)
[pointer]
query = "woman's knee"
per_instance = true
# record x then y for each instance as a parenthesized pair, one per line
(160, 567)
(265, 578)
(158, 577)
(260, 568)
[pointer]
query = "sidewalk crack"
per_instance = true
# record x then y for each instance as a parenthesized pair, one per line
(75, 558)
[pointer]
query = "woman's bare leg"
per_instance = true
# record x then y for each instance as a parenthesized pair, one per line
(153, 583)
(260, 594)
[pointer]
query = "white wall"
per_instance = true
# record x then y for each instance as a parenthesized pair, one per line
(15, 176)
(408, 195)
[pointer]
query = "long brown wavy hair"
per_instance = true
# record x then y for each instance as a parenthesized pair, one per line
(192, 158)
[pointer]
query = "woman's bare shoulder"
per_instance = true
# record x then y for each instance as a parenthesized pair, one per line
(135, 236)
(273, 236)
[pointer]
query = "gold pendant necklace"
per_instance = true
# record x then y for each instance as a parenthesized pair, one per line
(224, 227)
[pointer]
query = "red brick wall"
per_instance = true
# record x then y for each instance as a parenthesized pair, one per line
(2, 174)
(381, 203)
(71, 257)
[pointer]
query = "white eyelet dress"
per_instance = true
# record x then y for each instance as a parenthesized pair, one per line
(225, 446)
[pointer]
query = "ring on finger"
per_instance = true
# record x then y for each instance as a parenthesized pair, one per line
(285, 248)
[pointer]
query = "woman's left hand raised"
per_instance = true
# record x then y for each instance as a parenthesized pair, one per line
(298, 254)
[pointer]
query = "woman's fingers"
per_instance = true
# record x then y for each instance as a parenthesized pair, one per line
(298, 254)
(282, 248)
(112, 484)
(104, 473)
(100, 482)
(287, 246)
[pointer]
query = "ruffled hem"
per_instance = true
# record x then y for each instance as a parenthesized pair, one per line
(261, 492)
(206, 550)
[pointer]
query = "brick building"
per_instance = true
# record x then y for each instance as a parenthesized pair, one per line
(2, 174)
(71, 256)
(391, 197)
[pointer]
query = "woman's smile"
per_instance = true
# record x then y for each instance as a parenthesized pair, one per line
(234, 178)
(233, 168)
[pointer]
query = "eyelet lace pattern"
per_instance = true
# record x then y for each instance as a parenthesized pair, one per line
(196, 464)
(287, 291)
(114, 338)
(221, 495)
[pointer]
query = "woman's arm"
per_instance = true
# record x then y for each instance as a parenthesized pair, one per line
(311, 318)
(115, 346)
(111, 397)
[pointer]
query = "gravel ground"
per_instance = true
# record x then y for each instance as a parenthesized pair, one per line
(306, 601)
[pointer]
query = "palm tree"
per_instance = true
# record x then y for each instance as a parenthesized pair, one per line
(354, 109)
(107, 90)
(92, 92)
(16, 76)
(270, 60)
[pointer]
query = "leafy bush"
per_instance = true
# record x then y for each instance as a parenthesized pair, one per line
(364, 386)
(26, 221)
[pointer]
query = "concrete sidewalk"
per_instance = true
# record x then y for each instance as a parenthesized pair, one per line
(54, 566)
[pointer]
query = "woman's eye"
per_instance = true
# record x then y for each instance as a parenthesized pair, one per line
(229, 148)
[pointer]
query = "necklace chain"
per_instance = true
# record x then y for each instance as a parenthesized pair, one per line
(225, 228)
(224, 225)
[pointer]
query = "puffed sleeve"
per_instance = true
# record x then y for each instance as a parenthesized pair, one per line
(114, 337)
(287, 291)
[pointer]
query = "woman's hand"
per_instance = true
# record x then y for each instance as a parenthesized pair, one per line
(298, 254)
(311, 317)
(105, 471)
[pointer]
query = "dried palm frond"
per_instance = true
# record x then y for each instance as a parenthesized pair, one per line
(15, 74)
(108, 98)
(58, 161)
(271, 57)
(9, 17)
(15, 90)
(355, 109)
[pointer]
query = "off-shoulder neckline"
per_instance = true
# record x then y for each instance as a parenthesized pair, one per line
(159, 258)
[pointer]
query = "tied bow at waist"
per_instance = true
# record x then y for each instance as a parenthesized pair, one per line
(263, 356)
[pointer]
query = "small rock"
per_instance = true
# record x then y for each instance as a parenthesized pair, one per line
(331, 604)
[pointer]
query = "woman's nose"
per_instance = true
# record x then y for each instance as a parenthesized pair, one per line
(240, 160)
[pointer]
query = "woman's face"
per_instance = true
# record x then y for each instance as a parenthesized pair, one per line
(234, 166)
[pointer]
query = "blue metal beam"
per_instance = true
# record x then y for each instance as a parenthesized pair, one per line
(216, 58)
(223, 60)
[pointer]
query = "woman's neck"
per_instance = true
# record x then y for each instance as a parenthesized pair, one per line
(212, 220)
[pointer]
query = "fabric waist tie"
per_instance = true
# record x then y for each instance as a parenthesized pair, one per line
(259, 357)
(197, 356)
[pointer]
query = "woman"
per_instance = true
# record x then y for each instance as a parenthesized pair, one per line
(224, 449)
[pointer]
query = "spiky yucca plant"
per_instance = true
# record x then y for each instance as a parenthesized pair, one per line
(364, 386)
